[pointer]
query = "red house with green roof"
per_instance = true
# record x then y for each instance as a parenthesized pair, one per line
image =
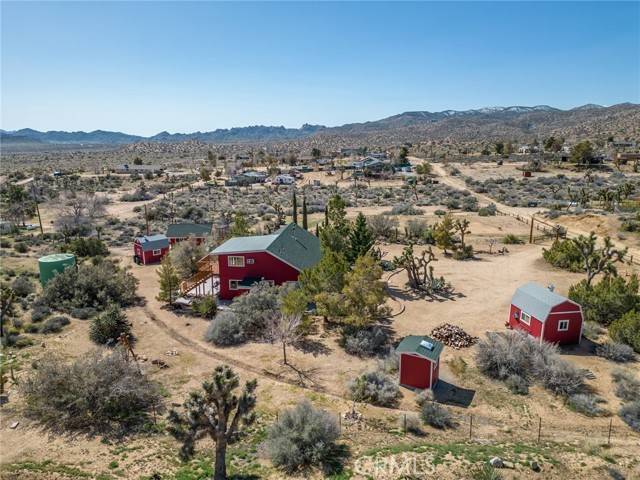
(278, 258)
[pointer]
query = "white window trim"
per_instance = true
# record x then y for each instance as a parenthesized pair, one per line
(238, 287)
(234, 257)
(156, 251)
(524, 314)
(250, 261)
(560, 323)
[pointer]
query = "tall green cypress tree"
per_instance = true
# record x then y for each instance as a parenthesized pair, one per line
(305, 223)
(326, 215)
(294, 202)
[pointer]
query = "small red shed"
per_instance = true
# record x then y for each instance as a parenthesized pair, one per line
(419, 361)
(150, 249)
(544, 314)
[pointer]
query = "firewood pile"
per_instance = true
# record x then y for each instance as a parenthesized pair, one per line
(453, 336)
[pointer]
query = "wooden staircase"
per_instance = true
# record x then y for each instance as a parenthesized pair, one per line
(195, 285)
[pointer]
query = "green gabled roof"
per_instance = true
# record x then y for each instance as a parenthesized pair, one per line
(177, 230)
(411, 344)
(291, 244)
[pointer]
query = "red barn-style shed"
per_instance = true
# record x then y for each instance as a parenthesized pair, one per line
(544, 314)
(150, 249)
(419, 361)
(278, 258)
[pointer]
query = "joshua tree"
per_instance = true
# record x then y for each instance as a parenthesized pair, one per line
(598, 260)
(216, 411)
(462, 226)
(420, 270)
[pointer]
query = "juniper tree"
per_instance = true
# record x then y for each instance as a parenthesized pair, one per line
(443, 233)
(216, 411)
(169, 281)
(360, 239)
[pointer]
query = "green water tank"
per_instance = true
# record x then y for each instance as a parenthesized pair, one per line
(50, 265)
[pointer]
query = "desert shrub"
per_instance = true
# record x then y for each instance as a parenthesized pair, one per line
(365, 342)
(627, 330)
(31, 328)
(97, 393)
(591, 330)
(564, 254)
(630, 413)
(39, 313)
(225, 330)
(90, 286)
(470, 204)
(390, 363)
(21, 247)
(303, 436)
(382, 226)
(618, 352)
(463, 253)
(410, 423)
(83, 313)
(511, 239)
(607, 300)
(488, 211)
(22, 286)
(516, 384)
(54, 324)
(503, 355)
(436, 415)
(206, 307)
(404, 209)
(561, 377)
(254, 308)
(485, 472)
(627, 386)
(375, 388)
(423, 397)
(586, 404)
(88, 247)
(108, 326)
(185, 256)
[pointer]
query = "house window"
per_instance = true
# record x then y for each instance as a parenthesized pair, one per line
(235, 261)
(563, 325)
(525, 318)
(250, 261)
(234, 284)
(156, 252)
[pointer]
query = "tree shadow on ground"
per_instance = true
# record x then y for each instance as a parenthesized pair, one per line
(449, 394)
(585, 348)
(312, 346)
(408, 294)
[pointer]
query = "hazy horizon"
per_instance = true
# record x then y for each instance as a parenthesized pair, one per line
(143, 68)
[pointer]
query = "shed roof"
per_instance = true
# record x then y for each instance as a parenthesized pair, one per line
(413, 344)
(537, 300)
(291, 244)
(178, 230)
(153, 242)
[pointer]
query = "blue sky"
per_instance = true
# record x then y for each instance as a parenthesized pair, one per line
(146, 67)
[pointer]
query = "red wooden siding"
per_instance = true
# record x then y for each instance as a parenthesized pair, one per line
(534, 328)
(565, 311)
(148, 256)
(415, 371)
(264, 266)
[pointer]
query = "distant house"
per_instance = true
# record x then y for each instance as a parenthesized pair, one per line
(131, 168)
(284, 180)
(278, 258)
(150, 249)
(419, 357)
(350, 152)
(177, 232)
(524, 149)
(370, 163)
(543, 314)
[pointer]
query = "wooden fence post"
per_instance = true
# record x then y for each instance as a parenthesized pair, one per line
(404, 423)
(539, 428)
(531, 229)
(470, 425)
(609, 436)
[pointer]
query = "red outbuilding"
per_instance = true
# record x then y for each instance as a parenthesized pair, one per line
(544, 314)
(419, 361)
(150, 249)
(278, 258)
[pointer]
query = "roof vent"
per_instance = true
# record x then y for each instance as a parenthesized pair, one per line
(427, 345)
(551, 287)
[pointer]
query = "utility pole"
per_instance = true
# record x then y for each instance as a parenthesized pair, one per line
(531, 229)
(146, 218)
